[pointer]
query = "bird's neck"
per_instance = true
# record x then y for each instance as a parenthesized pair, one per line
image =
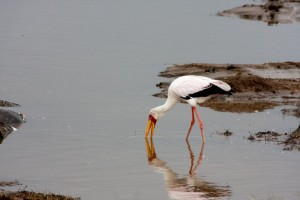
(170, 102)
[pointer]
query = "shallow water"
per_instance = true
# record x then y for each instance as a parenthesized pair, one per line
(275, 73)
(84, 73)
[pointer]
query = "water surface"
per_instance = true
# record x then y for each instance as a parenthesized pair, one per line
(84, 73)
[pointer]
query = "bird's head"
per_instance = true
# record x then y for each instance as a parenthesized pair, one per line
(154, 115)
(150, 125)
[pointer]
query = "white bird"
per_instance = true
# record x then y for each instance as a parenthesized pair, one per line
(193, 90)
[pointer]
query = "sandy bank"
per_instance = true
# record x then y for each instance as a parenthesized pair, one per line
(269, 11)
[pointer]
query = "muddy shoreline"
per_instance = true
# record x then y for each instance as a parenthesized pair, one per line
(289, 141)
(269, 11)
(28, 195)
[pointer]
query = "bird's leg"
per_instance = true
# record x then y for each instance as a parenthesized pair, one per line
(191, 126)
(200, 124)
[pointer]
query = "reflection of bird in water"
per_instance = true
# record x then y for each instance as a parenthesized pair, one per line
(187, 187)
(9, 122)
(193, 90)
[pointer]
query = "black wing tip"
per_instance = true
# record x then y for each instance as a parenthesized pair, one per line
(230, 92)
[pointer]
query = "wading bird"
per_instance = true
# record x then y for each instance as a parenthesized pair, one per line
(193, 90)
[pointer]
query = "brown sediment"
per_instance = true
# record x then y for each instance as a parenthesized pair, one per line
(294, 111)
(272, 11)
(240, 106)
(9, 183)
(27, 195)
(267, 136)
(255, 89)
(290, 141)
(8, 104)
(225, 133)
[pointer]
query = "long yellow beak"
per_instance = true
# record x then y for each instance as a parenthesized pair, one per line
(150, 126)
(150, 150)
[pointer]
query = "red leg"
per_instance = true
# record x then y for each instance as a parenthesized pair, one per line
(200, 124)
(192, 124)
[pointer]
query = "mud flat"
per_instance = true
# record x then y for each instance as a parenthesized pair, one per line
(27, 195)
(270, 11)
(290, 141)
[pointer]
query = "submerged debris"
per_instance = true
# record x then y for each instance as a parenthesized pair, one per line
(9, 183)
(251, 137)
(294, 111)
(8, 104)
(272, 12)
(267, 136)
(226, 133)
(291, 141)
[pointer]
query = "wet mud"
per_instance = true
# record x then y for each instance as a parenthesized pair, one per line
(8, 104)
(9, 120)
(28, 195)
(225, 133)
(9, 183)
(269, 11)
(255, 87)
(290, 141)
(294, 111)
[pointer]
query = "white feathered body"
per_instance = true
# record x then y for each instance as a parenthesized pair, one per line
(196, 89)
(192, 89)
